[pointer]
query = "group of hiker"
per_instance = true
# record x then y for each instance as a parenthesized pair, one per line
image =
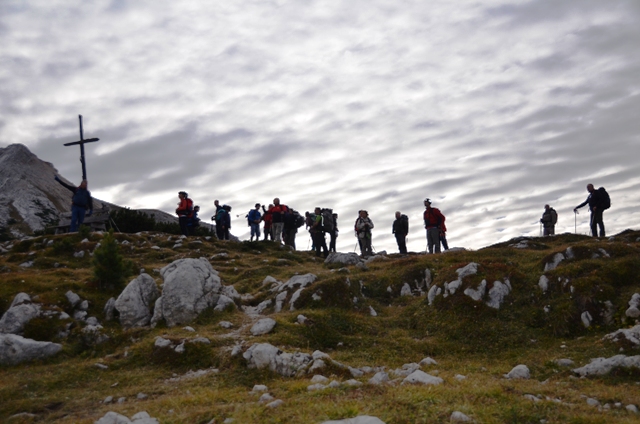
(598, 201)
(281, 223)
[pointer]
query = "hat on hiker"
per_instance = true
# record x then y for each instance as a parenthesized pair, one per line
(427, 200)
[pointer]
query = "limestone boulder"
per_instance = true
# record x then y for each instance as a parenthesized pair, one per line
(16, 349)
(19, 314)
(343, 258)
(265, 355)
(135, 303)
(190, 287)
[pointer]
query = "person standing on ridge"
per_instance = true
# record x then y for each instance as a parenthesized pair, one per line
(253, 218)
(363, 227)
(598, 201)
(267, 218)
(400, 229)
(333, 234)
(277, 219)
(317, 234)
(224, 222)
(80, 203)
(184, 212)
(548, 220)
(433, 221)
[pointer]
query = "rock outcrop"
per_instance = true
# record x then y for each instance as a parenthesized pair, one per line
(16, 349)
(135, 303)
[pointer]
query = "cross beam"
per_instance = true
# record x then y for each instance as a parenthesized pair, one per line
(81, 142)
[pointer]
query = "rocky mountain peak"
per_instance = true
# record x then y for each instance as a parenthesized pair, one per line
(30, 198)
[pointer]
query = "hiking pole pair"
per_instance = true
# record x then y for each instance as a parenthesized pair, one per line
(575, 221)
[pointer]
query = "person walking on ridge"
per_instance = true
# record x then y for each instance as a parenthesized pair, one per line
(80, 203)
(598, 201)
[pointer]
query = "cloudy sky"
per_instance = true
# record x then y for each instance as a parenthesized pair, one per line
(491, 108)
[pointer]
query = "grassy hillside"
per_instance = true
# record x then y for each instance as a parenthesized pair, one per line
(464, 336)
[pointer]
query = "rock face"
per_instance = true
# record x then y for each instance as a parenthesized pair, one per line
(16, 349)
(190, 287)
(19, 314)
(29, 192)
(135, 303)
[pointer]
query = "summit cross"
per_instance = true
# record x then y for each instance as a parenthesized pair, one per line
(81, 142)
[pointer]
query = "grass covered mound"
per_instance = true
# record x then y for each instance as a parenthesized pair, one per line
(393, 311)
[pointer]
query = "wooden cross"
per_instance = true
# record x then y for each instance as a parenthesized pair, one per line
(81, 143)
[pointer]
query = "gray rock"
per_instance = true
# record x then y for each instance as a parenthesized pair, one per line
(15, 349)
(555, 261)
(459, 417)
(275, 403)
(161, 342)
(631, 335)
(343, 258)
(135, 302)
(406, 290)
(79, 254)
(379, 378)
(73, 298)
(421, 377)
(497, 293)
(478, 293)
(113, 418)
(225, 324)
(264, 355)
(223, 302)
(190, 286)
(109, 309)
(603, 366)
(564, 362)
(84, 305)
(263, 326)
(19, 314)
(634, 306)
(518, 372)
(469, 269)
(428, 361)
(157, 312)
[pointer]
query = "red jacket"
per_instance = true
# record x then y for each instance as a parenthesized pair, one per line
(185, 208)
(434, 218)
(277, 213)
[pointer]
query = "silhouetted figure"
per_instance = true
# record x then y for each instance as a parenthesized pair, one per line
(80, 203)
(363, 227)
(253, 218)
(548, 220)
(184, 212)
(400, 229)
(317, 234)
(598, 201)
(433, 222)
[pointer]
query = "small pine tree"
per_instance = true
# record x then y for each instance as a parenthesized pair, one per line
(110, 269)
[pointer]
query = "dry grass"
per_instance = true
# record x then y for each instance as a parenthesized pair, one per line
(471, 340)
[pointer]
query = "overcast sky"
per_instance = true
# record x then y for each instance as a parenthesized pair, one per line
(490, 108)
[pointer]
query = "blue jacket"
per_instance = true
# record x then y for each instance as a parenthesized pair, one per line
(253, 216)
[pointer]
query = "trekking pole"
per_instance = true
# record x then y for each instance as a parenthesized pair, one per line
(575, 221)
(540, 229)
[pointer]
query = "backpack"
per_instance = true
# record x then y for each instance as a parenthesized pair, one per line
(404, 219)
(189, 207)
(605, 200)
(297, 218)
(327, 220)
(554, 216)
